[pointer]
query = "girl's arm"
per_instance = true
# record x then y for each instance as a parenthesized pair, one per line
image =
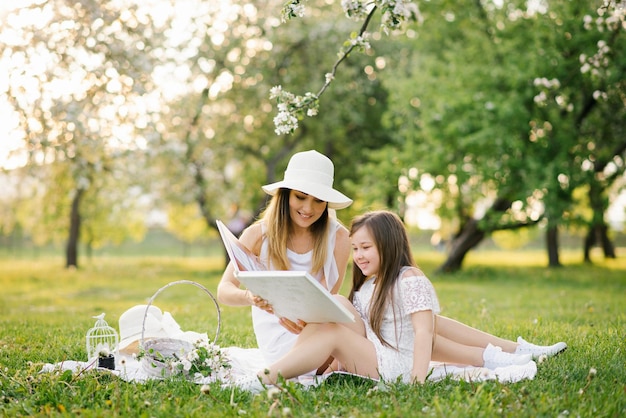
(422, 345)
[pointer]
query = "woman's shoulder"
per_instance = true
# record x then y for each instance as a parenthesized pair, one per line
(342, 232)
(342, 238)
(251, 237)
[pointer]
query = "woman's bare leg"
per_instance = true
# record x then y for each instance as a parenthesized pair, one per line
(357, 326)
(318, 342)
(466, 335)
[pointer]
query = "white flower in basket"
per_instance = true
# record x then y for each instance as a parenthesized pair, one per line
(170, 358)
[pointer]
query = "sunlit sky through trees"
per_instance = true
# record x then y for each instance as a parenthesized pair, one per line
(171, 78)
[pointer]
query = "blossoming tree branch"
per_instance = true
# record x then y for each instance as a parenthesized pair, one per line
(291, 107)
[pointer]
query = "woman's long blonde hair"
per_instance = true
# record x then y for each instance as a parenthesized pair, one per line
(392, 242)
(278, 227)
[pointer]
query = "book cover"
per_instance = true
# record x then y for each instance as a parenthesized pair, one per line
(296, 295)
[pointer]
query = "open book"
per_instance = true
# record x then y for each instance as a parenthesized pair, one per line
(293, 294)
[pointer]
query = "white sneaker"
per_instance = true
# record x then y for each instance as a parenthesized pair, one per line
(537, 351)
(515, 373)
(249, 383)
(494, 357)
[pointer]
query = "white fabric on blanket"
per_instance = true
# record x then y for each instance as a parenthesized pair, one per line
(245, 361)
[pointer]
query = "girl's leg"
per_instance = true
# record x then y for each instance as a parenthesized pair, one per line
(318, 342)
(466, 335)
(449, 351)
(491, 357)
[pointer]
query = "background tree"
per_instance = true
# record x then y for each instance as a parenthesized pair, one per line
(500, 115)
(471, 114)
(77, 73)
(602, 128)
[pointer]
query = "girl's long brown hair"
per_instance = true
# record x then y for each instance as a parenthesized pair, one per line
(392, 242)
(278, 222)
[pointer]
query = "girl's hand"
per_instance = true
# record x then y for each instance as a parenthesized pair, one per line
(293, 327)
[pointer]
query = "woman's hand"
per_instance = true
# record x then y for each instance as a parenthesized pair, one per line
(259, 302)
(293, 327)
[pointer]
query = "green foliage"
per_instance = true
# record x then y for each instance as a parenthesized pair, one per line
(497, 101)
(506, 293)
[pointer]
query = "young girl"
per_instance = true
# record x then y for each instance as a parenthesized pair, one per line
(295, 232)
(398, 331)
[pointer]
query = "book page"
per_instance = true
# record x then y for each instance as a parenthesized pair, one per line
(296, 295)
(242, 257)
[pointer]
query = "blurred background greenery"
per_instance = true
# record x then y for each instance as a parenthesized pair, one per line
(499, 121)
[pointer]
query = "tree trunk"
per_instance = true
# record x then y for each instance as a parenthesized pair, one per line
(590, 241)
(71, 253)
(598, 233)
(469, 237)
(607, 244)
(552, 240)
(598, 230)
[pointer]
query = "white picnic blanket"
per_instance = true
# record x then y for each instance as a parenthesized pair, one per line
(245, 361)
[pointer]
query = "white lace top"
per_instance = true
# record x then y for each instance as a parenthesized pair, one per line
(411, 294)
(272, 338)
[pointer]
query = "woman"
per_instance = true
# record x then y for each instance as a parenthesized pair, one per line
(296, 232)
(398, 330)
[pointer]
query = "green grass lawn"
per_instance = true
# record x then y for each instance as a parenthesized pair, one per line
(46, 310)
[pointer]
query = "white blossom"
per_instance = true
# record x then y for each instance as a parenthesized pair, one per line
(292, 108)
(285, 123)
(203, 360)
(186, 364)
(600, 95)
(291, 9)
(354, 9)
(273, 392)
(275, 92)
(541, 98)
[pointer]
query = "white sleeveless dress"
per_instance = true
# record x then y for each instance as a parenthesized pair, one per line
(410, 294)
(272, 338)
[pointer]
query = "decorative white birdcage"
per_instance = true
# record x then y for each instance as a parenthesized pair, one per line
(101, 338)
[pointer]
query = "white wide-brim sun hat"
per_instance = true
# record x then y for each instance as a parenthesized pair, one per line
(131, 325)
(158, 324)
(312, 173)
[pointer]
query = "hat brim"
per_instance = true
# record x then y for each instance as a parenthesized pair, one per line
(334, 198)
(130, 344)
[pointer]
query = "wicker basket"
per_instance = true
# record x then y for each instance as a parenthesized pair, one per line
(157, 349)
(160, 348)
